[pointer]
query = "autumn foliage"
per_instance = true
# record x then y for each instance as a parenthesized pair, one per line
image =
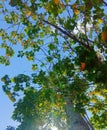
(65, 43)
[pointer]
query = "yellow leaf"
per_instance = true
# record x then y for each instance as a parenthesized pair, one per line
(18, 39)
(76, 11)
(95, 110)
(11, 97)
(34, 16)
(28, 13)
(100, 21)
(94, 100)
(30, 58)
(105, 90)
(97, 93)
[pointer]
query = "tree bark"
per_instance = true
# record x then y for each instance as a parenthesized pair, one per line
(76, 121)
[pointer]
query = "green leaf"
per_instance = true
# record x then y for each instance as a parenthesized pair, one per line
(49, 58)
(52, 46)
(34, 66)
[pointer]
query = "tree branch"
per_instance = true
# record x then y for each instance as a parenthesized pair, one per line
(104, 2)
(73, 37)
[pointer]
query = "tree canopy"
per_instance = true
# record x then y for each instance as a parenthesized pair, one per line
(66, 42)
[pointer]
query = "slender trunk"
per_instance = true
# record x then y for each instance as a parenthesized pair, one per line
(76, 121)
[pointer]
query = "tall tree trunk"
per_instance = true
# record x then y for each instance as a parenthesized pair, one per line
(76, 121)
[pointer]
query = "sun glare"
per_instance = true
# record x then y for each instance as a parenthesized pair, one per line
(54, 128)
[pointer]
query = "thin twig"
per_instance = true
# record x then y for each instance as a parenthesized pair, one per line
(68, 34)
(104, 2)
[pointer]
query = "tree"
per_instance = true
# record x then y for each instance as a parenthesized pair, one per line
(71, 71)
(10, 128)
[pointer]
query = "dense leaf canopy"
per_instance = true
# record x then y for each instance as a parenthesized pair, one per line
(66, 42)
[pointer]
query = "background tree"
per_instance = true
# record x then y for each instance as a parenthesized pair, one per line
(10, 128)
(70, 75)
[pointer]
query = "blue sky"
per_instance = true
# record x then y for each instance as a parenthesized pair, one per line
(6, 106)
(17, 66)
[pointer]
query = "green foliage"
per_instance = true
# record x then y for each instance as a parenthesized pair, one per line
(10, 128)
(66, 43)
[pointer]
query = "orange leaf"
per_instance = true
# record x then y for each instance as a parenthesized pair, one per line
(56, 1)
(83, 65)
(22, 43)
(104, 36)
